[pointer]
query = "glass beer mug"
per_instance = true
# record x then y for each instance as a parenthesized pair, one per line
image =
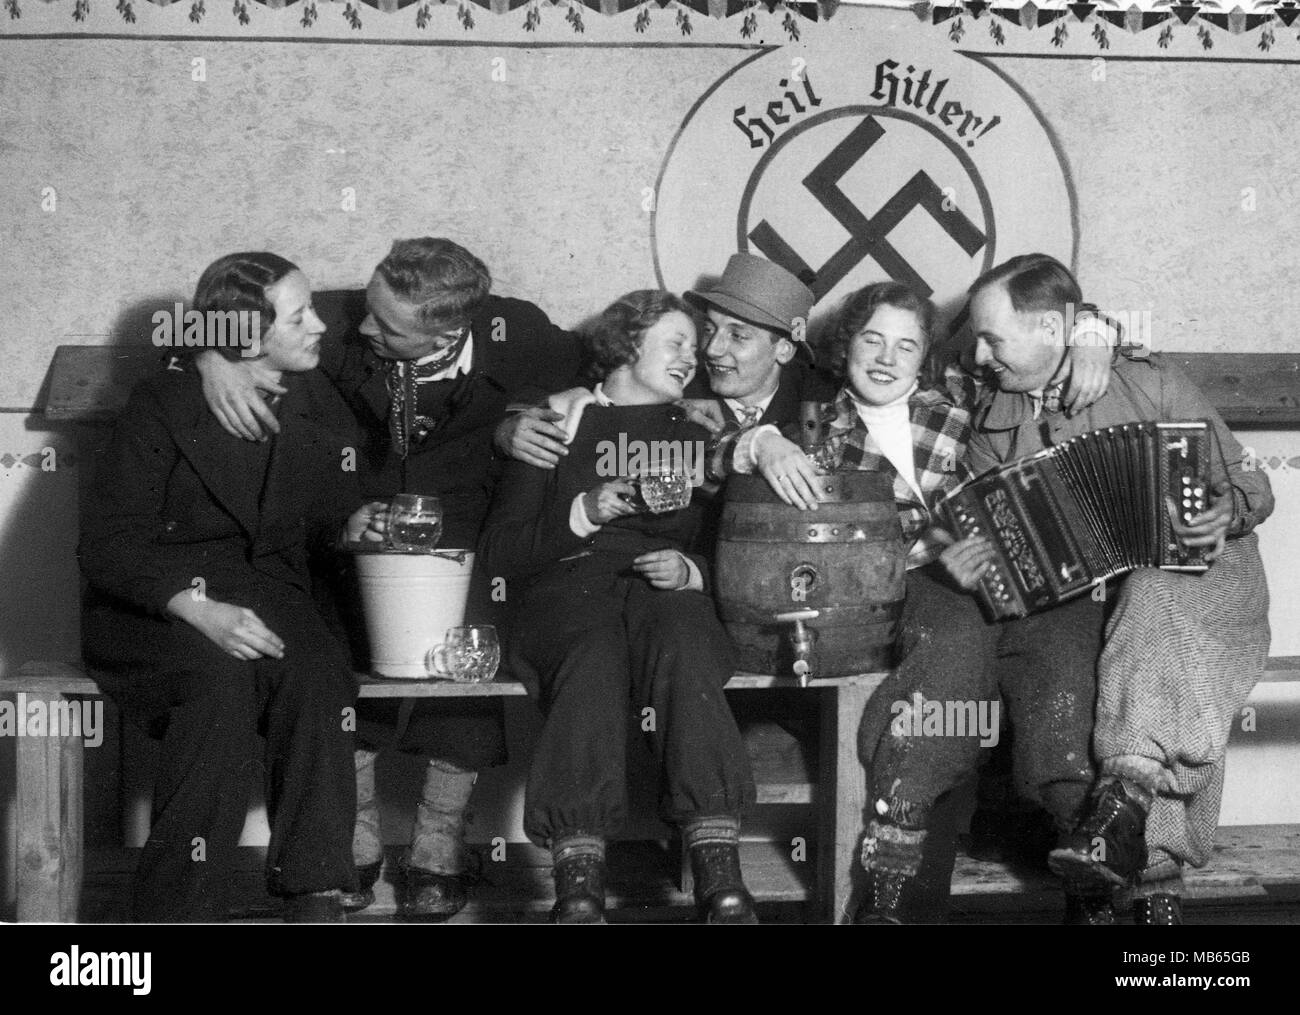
(414, 523)
(663, 489)
(468, 655)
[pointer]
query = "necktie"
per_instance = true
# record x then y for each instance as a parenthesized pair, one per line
(403, 376)
(1048, 401)
(749, 416)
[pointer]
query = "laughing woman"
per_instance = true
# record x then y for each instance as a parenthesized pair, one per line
(200, 622)
(891, 416)
(612, 627)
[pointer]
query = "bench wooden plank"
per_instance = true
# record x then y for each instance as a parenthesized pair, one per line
(1248, 388)
(841, 796)
(50, 780)
(66, 678)
(49, 773)
(90, 383)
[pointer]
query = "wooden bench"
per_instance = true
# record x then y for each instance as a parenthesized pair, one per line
(50, 832)
(90, 384)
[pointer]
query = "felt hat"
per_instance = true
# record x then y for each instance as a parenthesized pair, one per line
(760, 292)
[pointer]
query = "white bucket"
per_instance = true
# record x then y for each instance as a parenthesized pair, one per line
(410, 600)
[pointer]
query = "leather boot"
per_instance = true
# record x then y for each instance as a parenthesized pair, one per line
(893, 849)
(720, 892)
(1159, 910)
(579, 871)
(1091, 910)
(432, 897)
(1107, 849)
(884, 901)
(439, 870)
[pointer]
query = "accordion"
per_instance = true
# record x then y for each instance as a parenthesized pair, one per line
(1071, 516)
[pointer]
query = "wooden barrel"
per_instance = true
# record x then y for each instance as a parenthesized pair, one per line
(845, 560)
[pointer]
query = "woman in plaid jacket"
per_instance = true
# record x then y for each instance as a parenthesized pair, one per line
(897, 414)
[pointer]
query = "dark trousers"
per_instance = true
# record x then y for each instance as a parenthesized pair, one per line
(948, 654)
(207, 709)
(1043, 666)
(1047, 672)
(600, 650)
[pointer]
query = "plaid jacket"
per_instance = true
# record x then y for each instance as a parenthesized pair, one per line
(940, 433)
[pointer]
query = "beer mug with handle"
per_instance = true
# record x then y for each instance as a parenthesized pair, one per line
(468, 654)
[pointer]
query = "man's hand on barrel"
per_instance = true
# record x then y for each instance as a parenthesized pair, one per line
(966, 560)
(1210, 527)
(608, 501)
(787, 470)
(532, 436)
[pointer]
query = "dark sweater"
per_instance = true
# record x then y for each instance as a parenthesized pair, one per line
(528, 530)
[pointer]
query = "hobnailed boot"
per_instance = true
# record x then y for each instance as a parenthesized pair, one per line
(1107, 849)
(892, 850)
(883, 902)
(1160, 909)
(720, 892)
(579, 871)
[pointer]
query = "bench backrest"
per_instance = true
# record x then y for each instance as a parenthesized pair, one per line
(90, 383)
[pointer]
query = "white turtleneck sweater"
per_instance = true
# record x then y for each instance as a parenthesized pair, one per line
(890, 427)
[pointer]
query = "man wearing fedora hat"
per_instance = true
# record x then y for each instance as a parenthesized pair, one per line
(758, 364)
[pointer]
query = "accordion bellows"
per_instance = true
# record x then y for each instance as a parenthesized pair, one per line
(1070, 517)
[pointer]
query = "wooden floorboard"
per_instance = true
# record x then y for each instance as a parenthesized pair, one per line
(1253, 876)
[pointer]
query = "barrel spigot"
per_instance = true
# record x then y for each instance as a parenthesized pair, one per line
(801, 640)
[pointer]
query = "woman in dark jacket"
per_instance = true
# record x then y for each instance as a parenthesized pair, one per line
(199, 619)
(612, 625)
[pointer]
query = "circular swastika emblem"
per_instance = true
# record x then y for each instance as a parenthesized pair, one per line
(851, 161)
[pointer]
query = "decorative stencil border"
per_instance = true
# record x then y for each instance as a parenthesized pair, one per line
(963, 22)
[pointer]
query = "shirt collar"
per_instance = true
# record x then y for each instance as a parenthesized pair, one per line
(463, 361)
(738, 407)
(1009, 409)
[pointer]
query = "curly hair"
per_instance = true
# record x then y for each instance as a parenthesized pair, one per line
(445, 281)
(856, 312)
(614, 339)
(239, 282)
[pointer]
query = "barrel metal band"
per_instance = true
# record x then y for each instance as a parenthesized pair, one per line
(828, 616)
(754, 531)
